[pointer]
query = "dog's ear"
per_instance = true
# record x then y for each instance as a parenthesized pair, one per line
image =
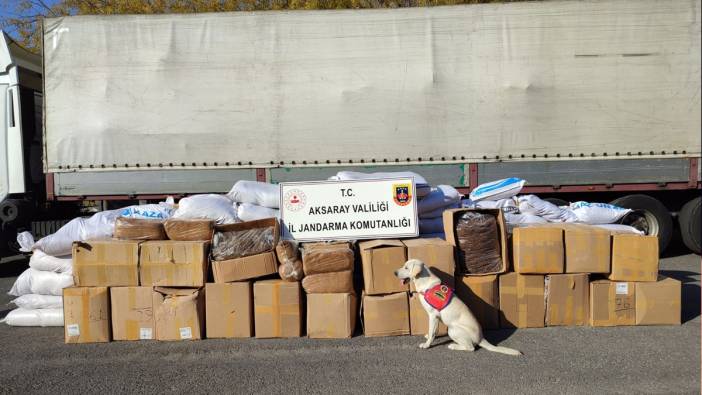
(416, 269)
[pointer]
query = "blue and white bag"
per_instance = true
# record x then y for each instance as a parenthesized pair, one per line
(598, 213)
(496, 190)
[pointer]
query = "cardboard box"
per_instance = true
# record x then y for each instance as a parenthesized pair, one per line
(380, 259)
(522, 300)
(587, 248)
(86, 315)
(567, 299)
(331, 316)
(171, 263)
(386, 315)
(277, 309)
(451, 216)
(419, 320)
(179, 313)
(658, 303)
(634, 258)
(537, 250)
(229, 310)
(612, 303)
(481, 295)
(106, 263)
(245, 268)
(436, 253)
(132, 313)
(252, 244)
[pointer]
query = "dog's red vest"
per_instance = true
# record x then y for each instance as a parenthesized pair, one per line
(438, 296)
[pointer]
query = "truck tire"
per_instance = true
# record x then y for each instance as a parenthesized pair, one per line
(690, 218)
(649, 216)
(558, 202)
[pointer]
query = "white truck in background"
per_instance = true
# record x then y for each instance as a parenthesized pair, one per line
(587, 100)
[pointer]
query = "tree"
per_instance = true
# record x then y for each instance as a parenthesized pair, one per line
(22, 20)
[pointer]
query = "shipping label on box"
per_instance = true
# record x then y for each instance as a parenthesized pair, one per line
(612, 303)
(437, 254)
(481, 295)
(86, 314)
(658, 303)
(106, 263)
(419, 319)
(246, 268)
(277, 309)
(179, 313)
(132, 313)
(634, 258)
(386, 315)
(331, 315)
(538, 250)
(522, 300)
(567, 299)
(229, 310)
(380, 259)
(173, 263)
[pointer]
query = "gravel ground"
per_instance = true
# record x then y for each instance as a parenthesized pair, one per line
(556, 360)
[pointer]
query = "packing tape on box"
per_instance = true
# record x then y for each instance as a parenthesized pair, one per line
(231, 314)
(522, 302)
(85, 314)
(568, 313)
(132, 326)
(277, 310)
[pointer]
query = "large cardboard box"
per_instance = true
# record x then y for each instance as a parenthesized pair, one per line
(567, 299)
(658, 303)
(481, 295)
(247, 239)
(277, 309)
(587, 249)
(380, 259)
(537, 250)
(106, 263)
(132, 313)
(245, 268)
(437, 254)
(451, 216)
(522, 300)
(179, 313)
(386, 315)
(229, 310)
(612, 303)
(331, 316)
(419, 320)
(634, 258)
(171, 263)
(86, 315)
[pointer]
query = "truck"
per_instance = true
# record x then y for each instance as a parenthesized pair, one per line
(586, 100)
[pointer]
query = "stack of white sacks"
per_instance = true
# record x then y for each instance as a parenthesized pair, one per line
(39, 289)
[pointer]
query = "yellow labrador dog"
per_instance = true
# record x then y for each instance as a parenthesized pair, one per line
(463, 328)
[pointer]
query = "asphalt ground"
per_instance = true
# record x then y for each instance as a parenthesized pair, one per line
(663, 359)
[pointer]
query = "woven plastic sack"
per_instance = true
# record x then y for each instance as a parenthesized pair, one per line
(496, 190)
(421, 185)
(37, 317)
(33, 281)
(335, 282)
(139, 229)
(210, 206)
(598, 213)
(255, 192)
(478, 243)
(35, 301)
(531, 204)
(440, 197)
(43, 262)
(252, 212)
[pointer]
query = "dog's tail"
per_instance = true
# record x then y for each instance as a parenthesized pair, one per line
(502, 350)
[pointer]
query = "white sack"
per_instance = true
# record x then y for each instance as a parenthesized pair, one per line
(38, 317)
(215, 207)
(598, 213)
(439, 212)
(33, 281)
(41, 261)
(421, 184)
(508, 205)
(254, 192)
(97, 227)
(523, 219)
(163, 210)
(619, 228)
(439, 197)
(431, 225)
(531, 204)
(36, 301)
(496, 190)
(251, 212)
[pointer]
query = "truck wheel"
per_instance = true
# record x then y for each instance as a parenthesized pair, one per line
(558, 202)
(649, 216)
(690, 218)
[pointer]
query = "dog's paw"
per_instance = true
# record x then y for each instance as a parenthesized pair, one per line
(424, 346)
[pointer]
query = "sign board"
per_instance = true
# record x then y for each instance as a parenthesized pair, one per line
(363, 209)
